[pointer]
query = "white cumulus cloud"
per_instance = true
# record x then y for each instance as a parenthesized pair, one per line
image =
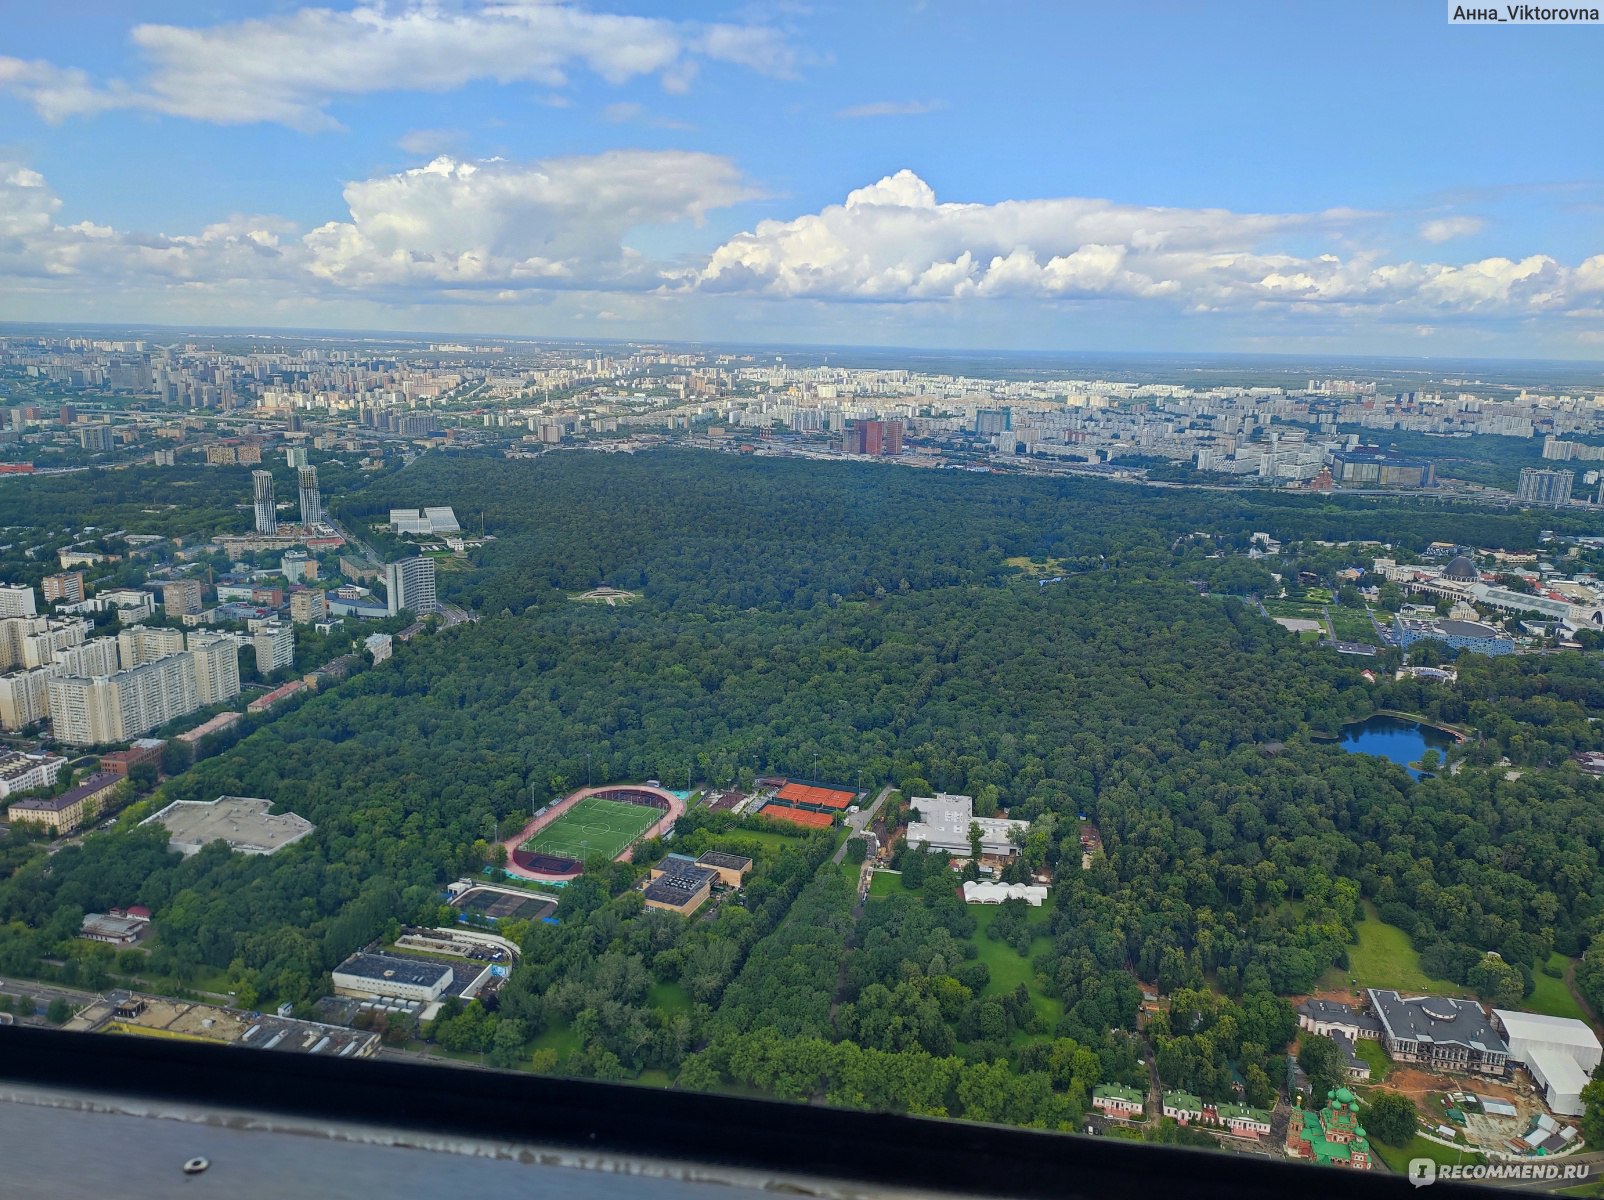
(558, 222)
(895, 241)
(289, 67)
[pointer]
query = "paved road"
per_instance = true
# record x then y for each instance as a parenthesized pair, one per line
(451, 615)
(46, 992)
(859, 821)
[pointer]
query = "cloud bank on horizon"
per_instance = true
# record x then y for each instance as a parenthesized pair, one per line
(481, 233)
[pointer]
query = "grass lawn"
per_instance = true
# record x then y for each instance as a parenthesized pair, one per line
(1551, 996)
(559, 1037)
(1384, 958)
(1397, 1157)
(1008, 968)
(655, 1077)
(883, 884)
(1370, 1049)
(767, 837)
(669, 998)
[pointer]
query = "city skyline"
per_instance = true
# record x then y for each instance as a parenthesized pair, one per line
(783, 174)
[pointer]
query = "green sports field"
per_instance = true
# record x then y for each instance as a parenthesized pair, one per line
(593, 826)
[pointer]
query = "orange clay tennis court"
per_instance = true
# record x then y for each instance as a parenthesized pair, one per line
(797, 816)
(814, 797)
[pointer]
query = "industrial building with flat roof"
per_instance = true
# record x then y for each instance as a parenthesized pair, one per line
(113, 930)
(679, 884)
(943, 824)
(121, 1012)
(242, 821)
(731, 868)
(389, 975)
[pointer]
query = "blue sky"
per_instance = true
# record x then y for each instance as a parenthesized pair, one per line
(1351, 178)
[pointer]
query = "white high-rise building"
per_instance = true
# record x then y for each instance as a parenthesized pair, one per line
(266, 509)
(18, 602)
(410, 585)
(216, 659)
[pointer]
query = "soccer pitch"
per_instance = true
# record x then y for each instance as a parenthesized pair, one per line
(593, 826)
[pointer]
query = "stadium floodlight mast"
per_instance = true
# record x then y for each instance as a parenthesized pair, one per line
(587, 768)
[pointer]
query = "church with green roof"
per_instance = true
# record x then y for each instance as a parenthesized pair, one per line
(1333, 1136)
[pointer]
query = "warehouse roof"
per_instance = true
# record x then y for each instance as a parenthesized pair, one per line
(390, 968)
(1536, 1027)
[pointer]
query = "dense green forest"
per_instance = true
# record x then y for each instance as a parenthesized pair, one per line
(866, 616)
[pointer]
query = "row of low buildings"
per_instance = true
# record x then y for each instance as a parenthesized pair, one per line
(1118, 1102)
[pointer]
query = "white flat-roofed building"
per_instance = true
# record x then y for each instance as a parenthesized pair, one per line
(1561, 1054)
(26, 772)
(981, 892)
(18, 602)
(132, 605)
(244, 822)
(393, 977)
(943, 824)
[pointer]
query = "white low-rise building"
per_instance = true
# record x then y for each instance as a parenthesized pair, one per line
(942, 823)
(982, 892)
(1561, 1054)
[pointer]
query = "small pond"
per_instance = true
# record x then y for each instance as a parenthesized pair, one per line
(1402, 741)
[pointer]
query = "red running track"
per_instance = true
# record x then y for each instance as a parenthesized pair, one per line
(676, 809)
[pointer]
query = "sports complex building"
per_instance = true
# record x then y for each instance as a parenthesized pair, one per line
(812, 805)
(609, 821)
